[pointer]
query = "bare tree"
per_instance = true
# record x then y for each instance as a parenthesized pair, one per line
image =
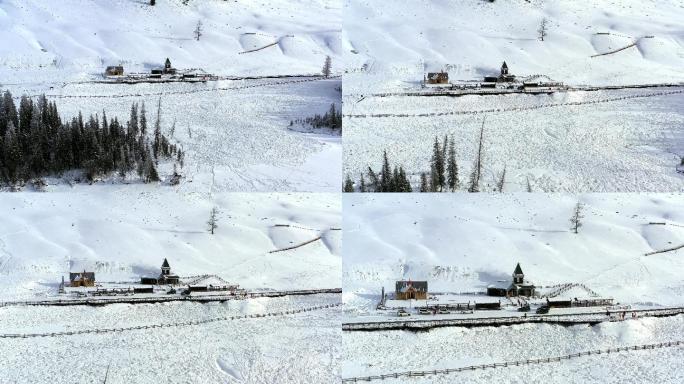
(474, 185)
(543, 29)
(501, 181)
(529, 186)
(198, 30)
(213, 220)
(577, 216)
(327, 67)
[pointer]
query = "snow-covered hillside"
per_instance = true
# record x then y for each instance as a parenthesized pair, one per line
(462, 243)
(397, 40)
(629, 145)
(75, 39)
(123, 232)
(234, 132)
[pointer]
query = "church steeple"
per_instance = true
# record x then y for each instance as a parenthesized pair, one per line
(518, 275)
(504, 68)
(165, 268)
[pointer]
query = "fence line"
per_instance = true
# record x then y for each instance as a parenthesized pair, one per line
(164, 299)
(513, 363)
(167, 325)
(514, 109)
(297, 245)
(559, 319)
(187, 92)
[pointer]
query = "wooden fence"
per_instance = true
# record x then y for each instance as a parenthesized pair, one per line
(514, 109)
(163, 298)
(187, 92)
(167, 325)
(590, 318)
(513, 363)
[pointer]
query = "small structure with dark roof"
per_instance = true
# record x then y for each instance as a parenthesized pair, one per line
(165, 277)
(407, 290)
(82, 279)
(114, 70)
(503, 77)
(518, 287)
(437, 78)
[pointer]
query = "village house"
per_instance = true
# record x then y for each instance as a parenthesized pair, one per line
(82, 279)
(518, 287)
(411, 290)
(114, 70)
(437, 78)
(503, 77)
(165, 277)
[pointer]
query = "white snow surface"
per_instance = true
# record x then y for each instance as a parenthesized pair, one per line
(391, 44)
(124, 232)
(464, 242)
(263, 350)
(628, 145)
(234, 132)
(78, 38)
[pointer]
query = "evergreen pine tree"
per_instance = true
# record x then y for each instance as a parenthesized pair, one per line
(348, 185)
(424, 183)
(452, 168)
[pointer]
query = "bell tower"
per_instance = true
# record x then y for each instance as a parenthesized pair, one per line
(518, 275)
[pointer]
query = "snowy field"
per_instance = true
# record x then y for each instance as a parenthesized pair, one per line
(260, 350)
(234, 133)
(75, 39)
(462, 243)
(124, 232)
(390, 45)
(631, 145)
(240, 135)
(370, 353)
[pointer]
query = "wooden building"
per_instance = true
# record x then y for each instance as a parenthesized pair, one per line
(114, 70)
(488, 306)
(518, 287)
(437, 78)
(168, 69)
(503, 77)
(411, 290)
(82, 279)
(165, 277)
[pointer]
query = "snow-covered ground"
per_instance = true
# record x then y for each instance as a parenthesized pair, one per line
(125, 231)
(626, 145)
(370, 353)
(630, 145)
(390, 45)
(300, 348)
(462, 243)
(75, 39)
(234, 133)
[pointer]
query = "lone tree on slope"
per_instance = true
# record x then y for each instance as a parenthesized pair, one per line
(474, 184)
(213, 220)
(198, 30)
(543, 29)
(327, 67)
(153, 2)
(577, 216)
